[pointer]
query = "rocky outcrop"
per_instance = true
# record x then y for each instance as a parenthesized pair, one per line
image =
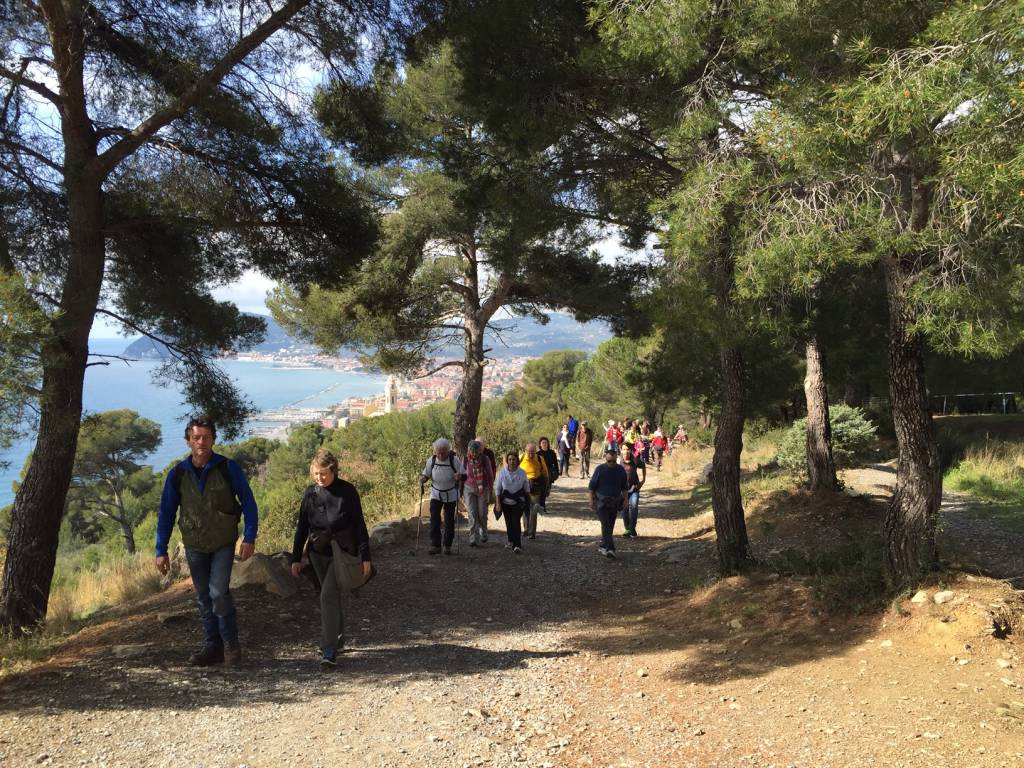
(271, 573)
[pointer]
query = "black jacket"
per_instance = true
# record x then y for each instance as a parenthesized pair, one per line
(334, 508)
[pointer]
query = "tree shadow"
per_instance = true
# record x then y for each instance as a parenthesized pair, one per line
(425, 617)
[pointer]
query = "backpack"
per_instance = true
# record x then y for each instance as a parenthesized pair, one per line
(451, 465)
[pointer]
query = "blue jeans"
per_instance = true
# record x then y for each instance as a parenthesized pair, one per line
(211, 576)
(632, 511)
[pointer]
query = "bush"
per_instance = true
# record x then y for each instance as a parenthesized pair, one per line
(852, 435)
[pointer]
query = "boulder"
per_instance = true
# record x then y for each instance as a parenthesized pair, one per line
(943, 597)
(388, 532)
(266, 572)
(705, 474)
(921, 596)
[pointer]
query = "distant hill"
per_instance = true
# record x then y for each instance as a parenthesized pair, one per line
(519, 337)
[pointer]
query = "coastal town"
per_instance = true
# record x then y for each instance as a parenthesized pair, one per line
(399, 394)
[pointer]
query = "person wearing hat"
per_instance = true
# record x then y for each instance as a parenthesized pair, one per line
(584, 440)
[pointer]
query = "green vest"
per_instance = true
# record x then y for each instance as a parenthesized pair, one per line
(208, 520)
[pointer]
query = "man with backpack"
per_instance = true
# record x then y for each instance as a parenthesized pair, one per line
(212, 495)
(574, 427)
(444, 472)
(534, 464)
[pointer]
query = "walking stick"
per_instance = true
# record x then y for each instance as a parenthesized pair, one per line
(419, 522)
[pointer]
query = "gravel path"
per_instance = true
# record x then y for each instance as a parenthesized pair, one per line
(556, 657)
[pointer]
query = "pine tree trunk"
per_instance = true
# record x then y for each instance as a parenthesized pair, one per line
(730, 526)
(129, 537)
(39, 504)
(821, 468)
(467, 406)
(913, 512)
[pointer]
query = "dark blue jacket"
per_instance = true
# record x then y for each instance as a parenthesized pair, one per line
(609, 480)
(171, 499)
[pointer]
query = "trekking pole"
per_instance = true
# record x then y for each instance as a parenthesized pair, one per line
(419, 522)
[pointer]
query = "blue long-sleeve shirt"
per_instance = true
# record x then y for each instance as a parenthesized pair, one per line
(170, 500)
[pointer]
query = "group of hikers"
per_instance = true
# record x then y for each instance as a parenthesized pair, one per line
(210, 496)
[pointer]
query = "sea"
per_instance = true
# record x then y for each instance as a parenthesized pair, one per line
(130, 385)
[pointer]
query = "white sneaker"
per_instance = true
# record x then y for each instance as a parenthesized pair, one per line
(602, 551)
(517, 550)
(610, 554)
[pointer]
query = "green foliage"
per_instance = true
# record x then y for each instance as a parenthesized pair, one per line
(23, 329)
(852, 435)
(107, 479)
(279, 512)
(544, 381)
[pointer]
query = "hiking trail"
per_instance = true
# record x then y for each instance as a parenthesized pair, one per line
(555, 657)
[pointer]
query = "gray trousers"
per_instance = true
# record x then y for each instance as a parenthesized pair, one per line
(476, 508)
(331, 622)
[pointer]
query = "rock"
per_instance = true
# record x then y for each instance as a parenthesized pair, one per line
(851, 492)
(736, 624)
(885, 644)
(705, 474)
(921, 596)
(1004, 664)
(261, 570)
(128, 651)
(943, 597)
(388, 532)
(641, 673)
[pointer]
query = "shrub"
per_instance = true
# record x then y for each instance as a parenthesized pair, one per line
(852, 434)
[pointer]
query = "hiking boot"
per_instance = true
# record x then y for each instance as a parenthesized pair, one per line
(447, 550)
(517, 550)
(329, 660)
(434, 550)
(210, 654)
(473, 544)
(232, 653)
(483, 539)
(610, 554)
(602, 551)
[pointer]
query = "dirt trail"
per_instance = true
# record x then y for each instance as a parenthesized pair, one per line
(556, 657)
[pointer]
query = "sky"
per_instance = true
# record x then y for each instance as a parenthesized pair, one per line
(250, 292)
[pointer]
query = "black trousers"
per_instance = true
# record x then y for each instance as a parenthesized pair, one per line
(513, 524)
(435, 522)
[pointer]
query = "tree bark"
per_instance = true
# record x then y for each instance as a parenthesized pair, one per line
(821, 468)
(467, 406)
(913, 512)
(734, 553)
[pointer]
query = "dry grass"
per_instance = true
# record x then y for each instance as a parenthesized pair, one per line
(113, 582)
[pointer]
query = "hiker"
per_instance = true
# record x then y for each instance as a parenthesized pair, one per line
(574, 427)
(545, 450)
(607, 496)
(443, 471)
(212, 494)
(636, 476)
(610, 438)
(538, 473)
(658, 446)
(330, 510)
(512, 499)
(477, 491)
(565, 449)
(680, 437)
(584, 441)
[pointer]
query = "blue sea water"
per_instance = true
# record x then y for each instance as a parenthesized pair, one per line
(130, 386)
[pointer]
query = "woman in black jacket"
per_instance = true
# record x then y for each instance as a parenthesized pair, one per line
(546, 452)
(330, 510)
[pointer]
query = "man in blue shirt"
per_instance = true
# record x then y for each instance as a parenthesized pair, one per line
(212, 494)
(608, 487)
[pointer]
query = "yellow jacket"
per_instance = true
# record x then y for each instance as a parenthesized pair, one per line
(535, 467)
